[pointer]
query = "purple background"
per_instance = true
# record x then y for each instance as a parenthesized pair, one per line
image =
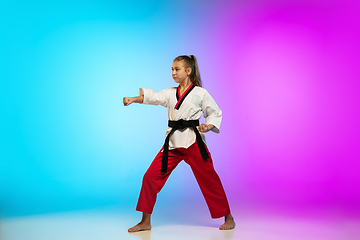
(291, 85)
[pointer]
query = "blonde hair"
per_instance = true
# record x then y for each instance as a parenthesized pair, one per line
(191, 62)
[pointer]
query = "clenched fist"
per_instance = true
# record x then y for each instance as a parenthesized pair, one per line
(127, 101)
(205, 128)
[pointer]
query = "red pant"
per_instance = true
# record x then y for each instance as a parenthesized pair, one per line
(205, 175)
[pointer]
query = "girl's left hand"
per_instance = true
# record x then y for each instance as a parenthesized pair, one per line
(205, 128)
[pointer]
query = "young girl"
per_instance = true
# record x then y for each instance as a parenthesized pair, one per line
(184, 141)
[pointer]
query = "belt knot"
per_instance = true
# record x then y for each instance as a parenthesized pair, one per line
(181, 124)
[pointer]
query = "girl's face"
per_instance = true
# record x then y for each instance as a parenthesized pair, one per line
(179, 72)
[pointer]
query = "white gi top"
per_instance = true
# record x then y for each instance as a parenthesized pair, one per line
(198, 100)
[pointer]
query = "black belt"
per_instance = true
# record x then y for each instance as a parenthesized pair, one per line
(181, 124)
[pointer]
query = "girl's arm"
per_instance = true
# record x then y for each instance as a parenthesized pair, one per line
(212, 114)
(128, 100)
(149, 96)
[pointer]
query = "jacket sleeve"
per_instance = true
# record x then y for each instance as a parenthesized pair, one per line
(212, 112)
(152, 97)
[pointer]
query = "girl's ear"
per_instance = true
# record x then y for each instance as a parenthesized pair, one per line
(188, 71)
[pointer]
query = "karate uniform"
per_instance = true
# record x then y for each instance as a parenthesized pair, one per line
(184, 145)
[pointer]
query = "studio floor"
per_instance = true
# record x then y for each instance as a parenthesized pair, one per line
(107, 224)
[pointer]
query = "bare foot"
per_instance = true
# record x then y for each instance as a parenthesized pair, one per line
(140, 227)
(229, 223)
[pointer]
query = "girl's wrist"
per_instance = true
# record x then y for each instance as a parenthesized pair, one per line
(135, 99)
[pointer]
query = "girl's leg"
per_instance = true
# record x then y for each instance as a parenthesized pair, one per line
(153, 182)
(210, 185)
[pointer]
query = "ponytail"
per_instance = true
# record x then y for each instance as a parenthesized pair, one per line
(191, 62)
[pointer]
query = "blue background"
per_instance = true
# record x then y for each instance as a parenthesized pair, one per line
(67, 142)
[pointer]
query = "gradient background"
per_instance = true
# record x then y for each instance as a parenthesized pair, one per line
(285, 73)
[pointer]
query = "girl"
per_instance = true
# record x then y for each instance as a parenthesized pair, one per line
(184, 140)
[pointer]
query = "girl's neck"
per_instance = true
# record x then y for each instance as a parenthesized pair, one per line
(184, 85)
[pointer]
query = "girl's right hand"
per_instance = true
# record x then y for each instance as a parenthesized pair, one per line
(127, 101)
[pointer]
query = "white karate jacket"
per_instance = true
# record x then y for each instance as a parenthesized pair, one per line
(198, 100)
